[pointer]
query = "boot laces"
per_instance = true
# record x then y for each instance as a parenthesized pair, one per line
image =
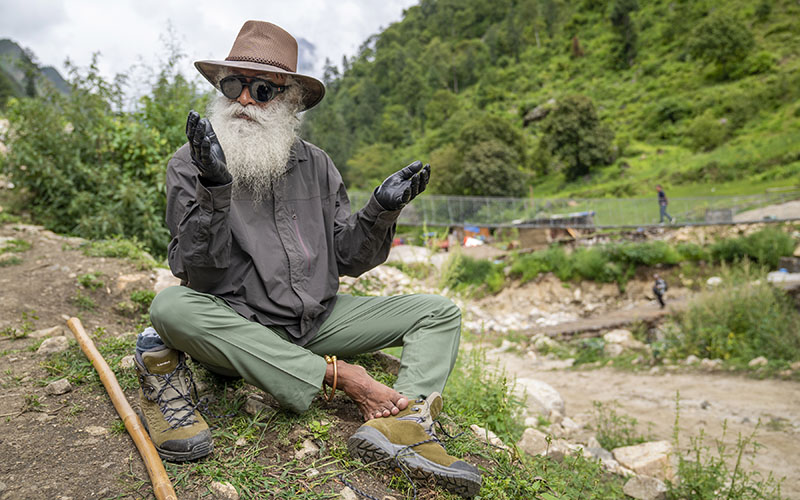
(173, 394)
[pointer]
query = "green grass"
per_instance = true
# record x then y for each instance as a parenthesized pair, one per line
(120, 248)
(743, 318)
(91, 281)
(15, 245)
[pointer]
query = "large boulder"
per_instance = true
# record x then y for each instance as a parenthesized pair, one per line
(533, 442)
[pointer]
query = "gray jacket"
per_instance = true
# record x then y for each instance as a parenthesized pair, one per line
(276, 262)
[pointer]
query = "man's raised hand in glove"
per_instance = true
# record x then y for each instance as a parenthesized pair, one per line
(403, 186)
(206, 151)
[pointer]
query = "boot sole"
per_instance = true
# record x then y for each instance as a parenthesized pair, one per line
(198, 451)
(370, 446)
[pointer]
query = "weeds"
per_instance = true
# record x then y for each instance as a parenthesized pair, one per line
(142, 299)
(120, 248)
(26, 326)
(10, 261)
(83, 302)
(615, 430)
(15, 245)
(91, 281)
(705, 474)
(467, 275)
(743, 318)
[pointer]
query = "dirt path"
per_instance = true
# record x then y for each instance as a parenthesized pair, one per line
(707, 401)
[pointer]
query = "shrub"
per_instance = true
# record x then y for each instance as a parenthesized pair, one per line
(614, 429)
(463, 273)
(765, 247)
(743, 319)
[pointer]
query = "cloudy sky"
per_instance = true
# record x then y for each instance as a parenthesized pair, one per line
(128, 31)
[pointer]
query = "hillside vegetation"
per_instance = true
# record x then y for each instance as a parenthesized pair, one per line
(589, 99)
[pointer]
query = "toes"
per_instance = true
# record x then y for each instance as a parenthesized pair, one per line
(401, 403)
(395, 410)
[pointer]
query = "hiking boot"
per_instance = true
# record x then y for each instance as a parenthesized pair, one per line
(166, 409)
(409, 438)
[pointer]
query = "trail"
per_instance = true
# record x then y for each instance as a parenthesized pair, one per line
(708, 401)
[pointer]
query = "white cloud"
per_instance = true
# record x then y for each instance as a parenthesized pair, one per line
(124, 31)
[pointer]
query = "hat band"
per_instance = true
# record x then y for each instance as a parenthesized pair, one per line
(268, 62)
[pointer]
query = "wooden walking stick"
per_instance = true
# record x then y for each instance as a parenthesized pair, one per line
(162, 487)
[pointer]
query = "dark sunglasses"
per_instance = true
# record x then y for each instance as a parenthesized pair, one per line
(260, 90)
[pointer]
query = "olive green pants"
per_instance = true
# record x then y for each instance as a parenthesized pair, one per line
(428, 327)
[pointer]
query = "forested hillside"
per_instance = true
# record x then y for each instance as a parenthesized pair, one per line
(587, 98)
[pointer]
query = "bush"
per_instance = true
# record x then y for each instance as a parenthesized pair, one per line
(87, 168)
(744, 319)
(764, 247)
(462, 273)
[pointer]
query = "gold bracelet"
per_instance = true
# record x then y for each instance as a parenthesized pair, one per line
(331, 360)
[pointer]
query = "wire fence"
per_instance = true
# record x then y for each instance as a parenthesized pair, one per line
(436, 210)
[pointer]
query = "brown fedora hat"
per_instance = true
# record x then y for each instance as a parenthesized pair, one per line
(263, 46)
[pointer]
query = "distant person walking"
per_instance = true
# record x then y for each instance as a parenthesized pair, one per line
(662, 205)
(659, 288)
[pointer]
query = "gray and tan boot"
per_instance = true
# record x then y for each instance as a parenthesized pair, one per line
(410, 438)
(176, 428)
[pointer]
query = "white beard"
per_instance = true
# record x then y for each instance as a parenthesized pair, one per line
(256, 149)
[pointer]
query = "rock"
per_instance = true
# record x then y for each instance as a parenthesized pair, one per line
(650, 459)
(559, 449)
(570, 426)
(127, 363)
(60, 386)
(613, 350)
(312, 472)
(409, 254)
(756, 362)
(600, 453)
(714, 281)
(308, 449)
(254, 405)
(533, 442)
(53, 331)
(487, 436)
(53, 345)
(241, 442)
(223, 491)
(781, 277)
(504, 346)
(347, 494)
(711, 364)
(645, 488)
(592, 442)
(543, 396)
(164, 279)
(123, 280)
(795, 366)
(692, 360)
(96, 430)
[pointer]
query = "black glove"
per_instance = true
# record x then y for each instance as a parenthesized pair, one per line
(207, 153)
(403, 186)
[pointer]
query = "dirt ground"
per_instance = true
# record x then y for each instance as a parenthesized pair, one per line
(707, 400)
(71, 446)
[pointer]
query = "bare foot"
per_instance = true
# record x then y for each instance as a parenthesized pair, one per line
(374, 399)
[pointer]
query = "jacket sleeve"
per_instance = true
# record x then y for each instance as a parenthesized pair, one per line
(197, 217)
(362, 240)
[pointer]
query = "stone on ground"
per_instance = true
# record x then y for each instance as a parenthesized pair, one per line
(53, 331)
(533, 442)
(645, 488)
(224, 491)
(543, 396)
(487, 436)
(650, 459)
(58, 387)
(53, 345)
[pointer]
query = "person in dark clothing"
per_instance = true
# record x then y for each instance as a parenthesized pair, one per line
(662, 205)
(660, 288)
(261, 231)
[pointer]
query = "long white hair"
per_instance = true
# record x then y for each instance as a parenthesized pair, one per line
(257, 139)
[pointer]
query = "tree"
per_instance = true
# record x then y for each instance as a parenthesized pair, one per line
(625, 38)
(573, 133)
(722, 40)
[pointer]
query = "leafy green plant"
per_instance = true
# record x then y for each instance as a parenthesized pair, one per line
(91, 281)
(143, 299)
